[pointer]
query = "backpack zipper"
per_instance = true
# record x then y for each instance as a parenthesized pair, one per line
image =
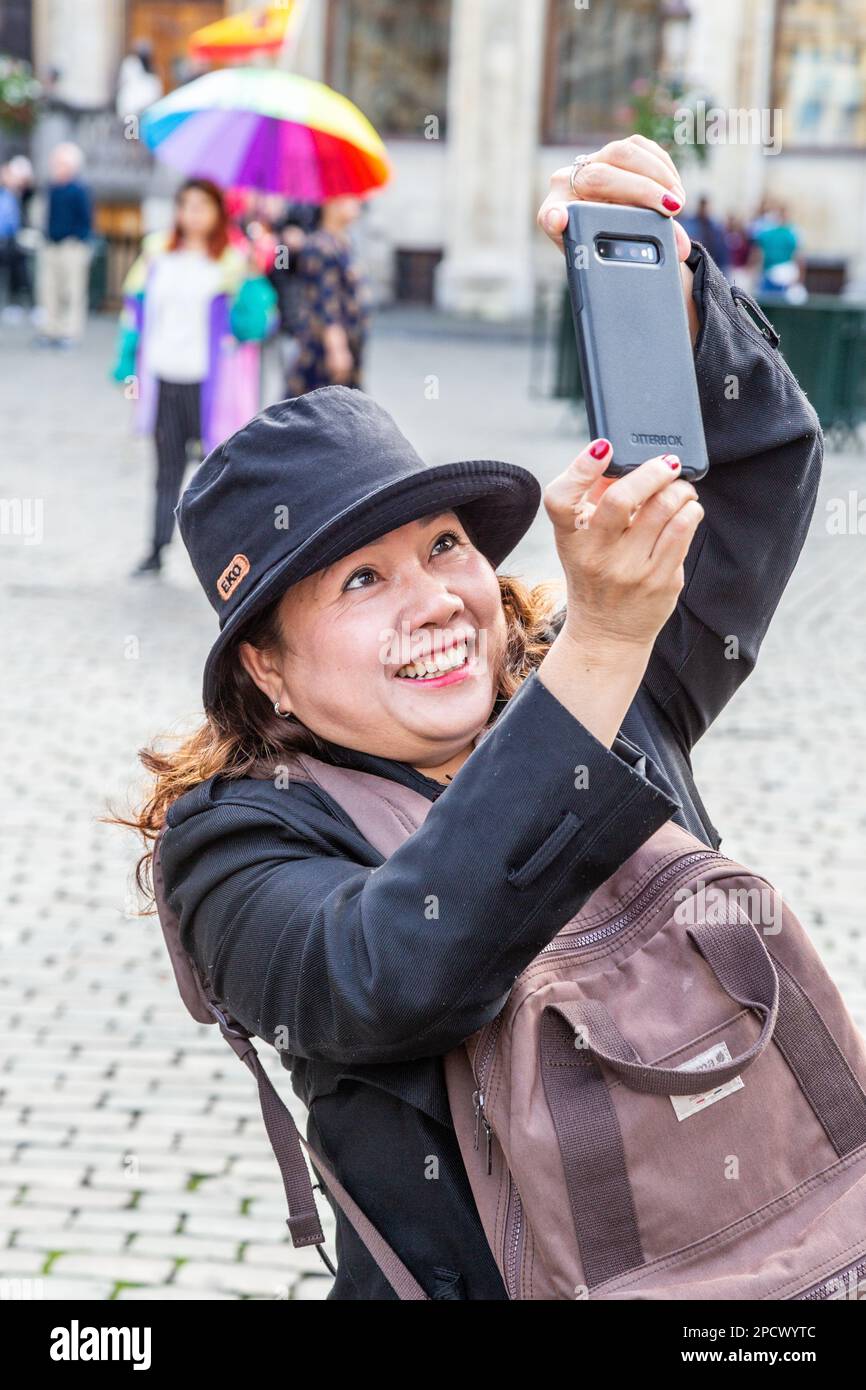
(513, 1240)
(480, 1072)
(575, 941)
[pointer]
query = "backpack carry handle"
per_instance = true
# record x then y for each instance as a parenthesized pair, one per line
(740, 962)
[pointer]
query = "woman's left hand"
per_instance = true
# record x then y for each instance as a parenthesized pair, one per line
(635, 171)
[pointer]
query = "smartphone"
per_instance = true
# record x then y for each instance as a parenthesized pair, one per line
(633, 340)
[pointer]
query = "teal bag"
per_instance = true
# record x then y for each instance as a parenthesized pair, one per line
(253, 313)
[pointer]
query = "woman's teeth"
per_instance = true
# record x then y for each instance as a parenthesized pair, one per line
(435, 665)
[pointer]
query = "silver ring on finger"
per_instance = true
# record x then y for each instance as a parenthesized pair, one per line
(577, 163)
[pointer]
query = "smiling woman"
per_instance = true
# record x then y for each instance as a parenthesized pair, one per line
(345, 673)
(374, 636)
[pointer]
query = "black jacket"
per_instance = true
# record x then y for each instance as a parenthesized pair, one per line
(304, 928)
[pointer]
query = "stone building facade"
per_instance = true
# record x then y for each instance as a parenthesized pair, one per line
(478, 99)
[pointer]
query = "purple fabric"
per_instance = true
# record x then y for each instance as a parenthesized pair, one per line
(250, 150)
(211, 144)
(300, 152)
(258, 159)
(145, 412)
(219, 327)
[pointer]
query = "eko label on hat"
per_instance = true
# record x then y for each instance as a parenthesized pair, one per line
(234, 572)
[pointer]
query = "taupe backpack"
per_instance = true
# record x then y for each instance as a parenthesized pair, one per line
(671, 1104)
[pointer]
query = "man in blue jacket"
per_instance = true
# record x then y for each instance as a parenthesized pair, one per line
(64, 260)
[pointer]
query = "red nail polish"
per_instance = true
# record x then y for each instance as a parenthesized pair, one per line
(671, 203)
(600, 448)
(672, 461)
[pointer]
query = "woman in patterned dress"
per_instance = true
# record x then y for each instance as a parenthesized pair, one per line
(332, 305)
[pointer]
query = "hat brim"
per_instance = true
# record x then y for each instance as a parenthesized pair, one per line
(497, 501)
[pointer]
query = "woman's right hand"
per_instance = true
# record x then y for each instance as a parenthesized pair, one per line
(622, 543)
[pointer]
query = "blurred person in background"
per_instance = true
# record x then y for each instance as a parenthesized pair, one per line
(332, 304)
(138, 85)
(764, 217)
(16, 190)
(739, 248)
(237, 203)
(17, 177)
(776, 243)
(195, 310)
(710, 232)
(23, 182)
(10, 225)
(292, 229)
(64, 257)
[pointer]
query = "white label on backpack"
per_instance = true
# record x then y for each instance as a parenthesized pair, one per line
(713, 1057)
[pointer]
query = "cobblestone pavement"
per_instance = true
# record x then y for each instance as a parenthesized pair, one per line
(133, 1161)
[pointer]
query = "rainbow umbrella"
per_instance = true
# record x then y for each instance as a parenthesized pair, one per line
(238, 35)
(270, 130)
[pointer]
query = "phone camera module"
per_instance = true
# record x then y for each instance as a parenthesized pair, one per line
(627, 250)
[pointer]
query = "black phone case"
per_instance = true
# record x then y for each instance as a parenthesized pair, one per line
(633, 340)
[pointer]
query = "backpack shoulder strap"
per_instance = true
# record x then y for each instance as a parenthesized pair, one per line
(385, 812)
(285, 1138)
(186, 974)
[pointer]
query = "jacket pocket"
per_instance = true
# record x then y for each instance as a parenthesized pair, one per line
(522, 875)
(447, 1283)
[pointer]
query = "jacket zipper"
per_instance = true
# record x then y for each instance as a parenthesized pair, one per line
(828, 1287)
(765, 327)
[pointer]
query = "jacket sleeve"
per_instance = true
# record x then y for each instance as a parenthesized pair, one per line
(317, 945)
(126, 347)
(765, 448)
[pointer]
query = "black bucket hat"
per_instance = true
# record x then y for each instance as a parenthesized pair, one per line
(309, 480)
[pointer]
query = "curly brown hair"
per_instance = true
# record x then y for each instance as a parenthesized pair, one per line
(242, 736)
